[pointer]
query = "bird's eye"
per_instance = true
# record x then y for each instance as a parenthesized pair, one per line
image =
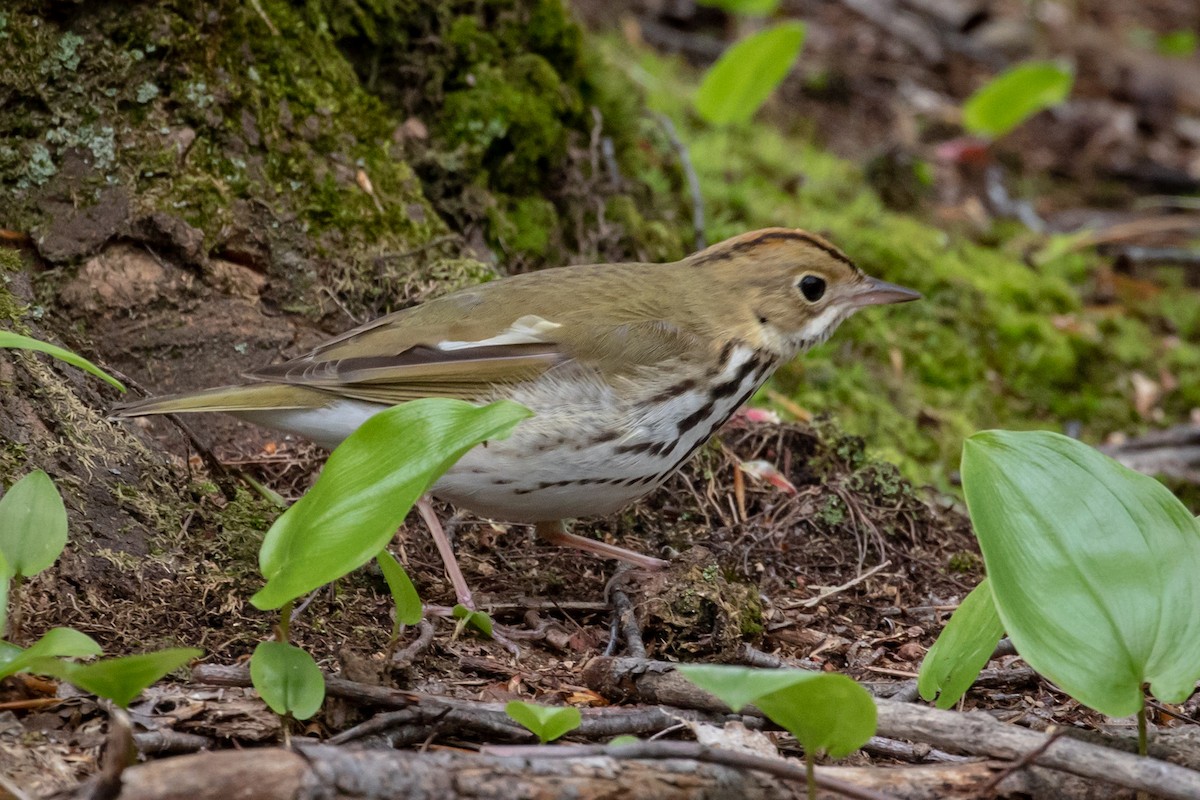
(812, 287)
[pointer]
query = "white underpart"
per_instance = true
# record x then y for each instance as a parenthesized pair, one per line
(529, 329)
(518, 479)
(328, 426)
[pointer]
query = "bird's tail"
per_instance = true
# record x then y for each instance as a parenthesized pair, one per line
(227, 399)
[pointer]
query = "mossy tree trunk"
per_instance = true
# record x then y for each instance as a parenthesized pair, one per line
(191, 189)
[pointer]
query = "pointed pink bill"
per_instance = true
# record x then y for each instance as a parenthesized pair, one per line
(874, 292)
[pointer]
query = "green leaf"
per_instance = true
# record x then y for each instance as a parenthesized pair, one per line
(57, 642)
(1092, 566)
(33, 525)
(366, 489)
(472, 619)
(545, 722)
(118, 679)
(287, 679)
(1178, 44)
(823, 710)
(746, 74)
(1016, 95)
(4, 581)
(16, 340)
(749, 8)
(962, 649)
(408, 603)
(623, 739)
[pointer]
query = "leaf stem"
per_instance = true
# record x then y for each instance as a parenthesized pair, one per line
(1141, 719)
(810, 763)
(285, 621)
(14, 610)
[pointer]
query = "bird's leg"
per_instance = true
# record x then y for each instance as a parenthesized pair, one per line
(555, 533)
(461, 591)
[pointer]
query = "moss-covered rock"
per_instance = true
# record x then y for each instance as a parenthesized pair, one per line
(274, 135)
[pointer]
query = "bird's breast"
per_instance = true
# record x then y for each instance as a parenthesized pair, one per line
(594, 445)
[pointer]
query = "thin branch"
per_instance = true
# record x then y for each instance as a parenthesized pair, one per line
(689, 172)
(693, 752)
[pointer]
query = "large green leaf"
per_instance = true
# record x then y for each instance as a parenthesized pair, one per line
(118, 679)
(16, 340)
(33, 525)
(1015, 95)
(287, 679)
(4, 581)
(1092, 566)
(823, 710)
(366, 489)
(56, 642)
(746, 74)
(545, 722)
(962, 649)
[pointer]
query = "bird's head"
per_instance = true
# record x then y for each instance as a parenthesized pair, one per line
(794, 287)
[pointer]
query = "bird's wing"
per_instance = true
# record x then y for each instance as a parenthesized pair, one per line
(390, 363)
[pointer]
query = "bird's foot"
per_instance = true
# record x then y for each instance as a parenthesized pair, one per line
(554, 533)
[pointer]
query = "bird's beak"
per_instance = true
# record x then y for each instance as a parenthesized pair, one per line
(874, 292)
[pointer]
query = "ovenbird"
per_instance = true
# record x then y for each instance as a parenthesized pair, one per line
(629, 369)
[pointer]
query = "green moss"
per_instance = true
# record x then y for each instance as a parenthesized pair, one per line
(965, 561)
(525, 225)
(520, 111)
(11, 260)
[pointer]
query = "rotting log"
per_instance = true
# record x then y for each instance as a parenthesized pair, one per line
(321, 771)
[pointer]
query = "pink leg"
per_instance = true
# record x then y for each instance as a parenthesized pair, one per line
(555, 533)
(461, 591)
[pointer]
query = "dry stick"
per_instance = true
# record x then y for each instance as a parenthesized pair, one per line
(408, 655)
(1022, 762)
(259, 10)
(658, 682)
(912, 753)
(490, 717)
(323, 771)
(918, 783)
(221, 475)
(432, 243)
(169, 742)
(828, 593)
(220, 472)
(692, 751)
(384, 725)
(627, 621)
(689, 171)
(971, 733)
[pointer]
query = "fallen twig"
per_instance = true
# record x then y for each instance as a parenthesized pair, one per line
(694, 751)
(627, 621)
(813, 602)
(407, 655)
(693, 181)
(969, 733)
